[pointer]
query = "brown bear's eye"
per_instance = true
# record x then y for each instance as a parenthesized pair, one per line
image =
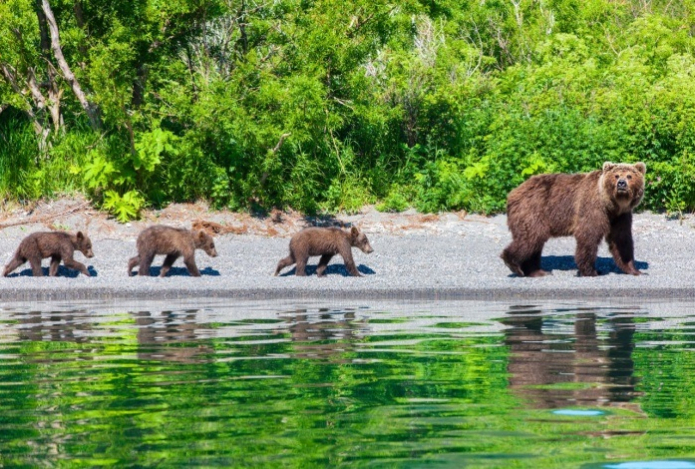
(629, 176)
(617, 177)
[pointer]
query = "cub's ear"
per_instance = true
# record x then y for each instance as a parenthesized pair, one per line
(80, 236)
(355, 232)
(641, 167)
(199, 234)
(607, 166)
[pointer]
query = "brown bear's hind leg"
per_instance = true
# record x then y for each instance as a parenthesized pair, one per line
(286, 262)
(132, 263)
(511, 262)
(300, 270)
(13, 264)
(145, 263)
(53, 269)
(523, 258)
(35, 263)
(585, 256)
(532, 266)
(168, 262)
(323, 263)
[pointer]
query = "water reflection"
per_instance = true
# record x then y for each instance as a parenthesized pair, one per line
(557, 363)
(171, 336)
(325, 334)
(54, 326)
(310, 386)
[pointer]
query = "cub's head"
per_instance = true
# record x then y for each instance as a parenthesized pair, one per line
(359, 240)
(84, 244)
(204, 241)
(624, 183)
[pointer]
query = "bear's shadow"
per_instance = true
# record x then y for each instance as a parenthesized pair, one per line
(181, 272)
(604, 265)
(333, 269)
(62, 272)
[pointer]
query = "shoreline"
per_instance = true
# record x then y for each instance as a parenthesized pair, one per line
(418, 257)
(606, 295)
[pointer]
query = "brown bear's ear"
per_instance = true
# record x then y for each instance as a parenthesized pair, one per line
(199, 234)
(354, 232)
(80, 236)
(607, 166)
(641, 167)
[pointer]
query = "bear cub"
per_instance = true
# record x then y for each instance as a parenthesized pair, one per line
(172, 242)
(589, 206)
(54, 244)
(324, 242)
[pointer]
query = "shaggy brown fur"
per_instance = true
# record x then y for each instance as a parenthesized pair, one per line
(324, 242)
(54, 244)
(590, 207)
(173, 242)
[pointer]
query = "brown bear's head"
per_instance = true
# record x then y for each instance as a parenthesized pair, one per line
(359, 240)
(624, 183)
(204, 241)
(84, 244)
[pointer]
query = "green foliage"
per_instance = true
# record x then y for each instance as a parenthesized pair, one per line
(396, 200)
(125, 207)
(327, 105)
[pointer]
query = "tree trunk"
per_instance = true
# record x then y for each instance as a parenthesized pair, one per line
(54, 91)
(89, 108)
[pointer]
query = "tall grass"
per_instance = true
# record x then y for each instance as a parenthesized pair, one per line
(18, 150)
(26, 172)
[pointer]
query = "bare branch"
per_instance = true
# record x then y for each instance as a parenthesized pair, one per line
(280, 142)
(9, 74)
(89, 107)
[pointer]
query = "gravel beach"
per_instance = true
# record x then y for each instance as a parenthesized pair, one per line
(416, 256)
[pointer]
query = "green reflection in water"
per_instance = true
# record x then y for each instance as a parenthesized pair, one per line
(319, 387)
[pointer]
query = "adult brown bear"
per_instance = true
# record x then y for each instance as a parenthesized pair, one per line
(589, 206)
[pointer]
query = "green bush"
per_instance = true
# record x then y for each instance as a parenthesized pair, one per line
(326, 105)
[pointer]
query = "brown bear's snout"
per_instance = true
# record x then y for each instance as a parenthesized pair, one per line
(622, 185)
(367, 248)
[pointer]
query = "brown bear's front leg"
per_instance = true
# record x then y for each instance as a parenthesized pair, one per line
(73, 264)
(190, 263)
(620, 244)
(349, 262)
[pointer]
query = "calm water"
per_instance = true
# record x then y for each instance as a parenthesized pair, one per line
(379, 385)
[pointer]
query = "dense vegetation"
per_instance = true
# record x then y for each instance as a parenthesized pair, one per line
(329, 104)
